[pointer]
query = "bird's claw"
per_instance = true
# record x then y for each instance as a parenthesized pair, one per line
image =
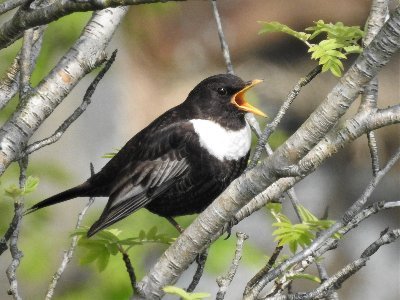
(229, 226)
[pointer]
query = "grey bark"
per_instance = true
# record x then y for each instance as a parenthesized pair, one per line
(80, 60)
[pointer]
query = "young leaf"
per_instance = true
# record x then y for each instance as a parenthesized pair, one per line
(352, 49)
(13, 191)
(173, 290)
(103, 259)
(31, 185)
(278, 27)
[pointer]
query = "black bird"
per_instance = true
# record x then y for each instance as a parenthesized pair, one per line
(179, 163)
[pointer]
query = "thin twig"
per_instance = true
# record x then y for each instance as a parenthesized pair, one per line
(224, 281)
(224, 44)
(265, 269)
(201, 262)
(9, 84)
(329, 244)
(377, 17)
(129, 269)
(323, 275)
(76, 114)
(70, 252)
(26, 67)
(16, 254)
(346, 272)
(270, 128)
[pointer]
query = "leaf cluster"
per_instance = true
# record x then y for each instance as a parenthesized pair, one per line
(173, 290)
(13, 191)
(295, 235)
(105, 243)
(338, 41)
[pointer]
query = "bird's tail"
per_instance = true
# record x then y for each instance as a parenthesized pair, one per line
(78, 191)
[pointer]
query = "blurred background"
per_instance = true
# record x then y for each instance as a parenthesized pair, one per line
(164, 50)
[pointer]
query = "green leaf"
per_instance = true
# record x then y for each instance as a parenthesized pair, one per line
(173, 290)
(31, 185)
(103, 260)
(306, 215)
(278, 27)
(344, 34)
(274, 207)
(110, 235)
(13, 191)
(293, 246)
(90, 256)
(352, 49)
(151, 234)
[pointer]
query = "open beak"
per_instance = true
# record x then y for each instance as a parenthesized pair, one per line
(240, 102)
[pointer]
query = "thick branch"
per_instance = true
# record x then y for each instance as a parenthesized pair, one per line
(378, 15)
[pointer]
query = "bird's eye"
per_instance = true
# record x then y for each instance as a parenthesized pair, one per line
(222, 91)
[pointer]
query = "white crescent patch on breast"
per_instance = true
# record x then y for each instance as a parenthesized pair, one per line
(220, 142)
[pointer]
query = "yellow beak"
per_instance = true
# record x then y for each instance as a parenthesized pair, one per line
(240, 102)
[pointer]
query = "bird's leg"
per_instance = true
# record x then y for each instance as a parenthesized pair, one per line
(175, 224)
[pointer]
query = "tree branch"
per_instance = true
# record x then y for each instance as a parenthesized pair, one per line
(16, 254)
(271, 127)
(378, 15)
(9, 5)
(224, 281)
(81, 59)
(224, 44)
(70, 252)
(335, 282)
(264, 270)
(201, 262)
(209, 223)
(25, 18)
(77, 113)
(310, 253)
(9, 84)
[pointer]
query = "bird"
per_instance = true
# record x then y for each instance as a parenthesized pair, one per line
(180, 162)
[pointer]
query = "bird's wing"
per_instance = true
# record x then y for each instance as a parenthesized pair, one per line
(143, 179)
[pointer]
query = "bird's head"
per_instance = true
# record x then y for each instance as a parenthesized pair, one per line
(224, 92)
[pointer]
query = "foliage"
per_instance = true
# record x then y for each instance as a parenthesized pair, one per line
(13, 191)
(340, 40)
(107, 242)
(183, 294)
(295, 235)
